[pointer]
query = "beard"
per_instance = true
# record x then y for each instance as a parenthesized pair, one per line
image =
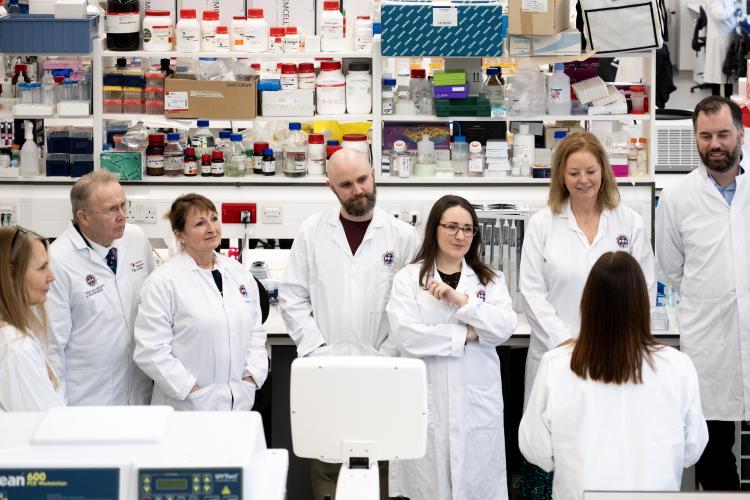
(715, 165)
(360, 205)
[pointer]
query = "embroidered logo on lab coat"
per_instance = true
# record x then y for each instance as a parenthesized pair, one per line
(91, 280)
(136, 266)
(388, 258)
(481, 294)
(623, 241)
(243, 291)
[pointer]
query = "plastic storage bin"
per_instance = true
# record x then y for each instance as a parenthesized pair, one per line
(470, 106)
(112, 92)
(132, 94)
(58, 142)
(57, 165)
(112, 106)
(134, 107)
(81, 142)
(154, 107)
(44, 34)
(81, 165)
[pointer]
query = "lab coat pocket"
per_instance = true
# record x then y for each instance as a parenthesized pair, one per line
(380, 290)
(90, 387)
(246, 399)
(701, 321)
(484, 407)
(202, 399)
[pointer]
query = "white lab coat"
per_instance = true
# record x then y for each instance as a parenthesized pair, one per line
(465, 457)
(24, 381)
(329, 295)
(188, 333)
(607, 437)
(91, 316)
(704, 252)
(555, 262)
(721, 23)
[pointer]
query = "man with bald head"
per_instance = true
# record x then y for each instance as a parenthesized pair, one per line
(338, 278)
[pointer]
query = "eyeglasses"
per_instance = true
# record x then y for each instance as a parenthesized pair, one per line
(114, 211)
(19, 230)
(452, 229)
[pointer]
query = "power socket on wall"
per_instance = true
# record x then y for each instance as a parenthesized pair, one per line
(8, 213)
(140, 212)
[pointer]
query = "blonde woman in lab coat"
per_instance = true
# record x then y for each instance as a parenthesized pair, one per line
(27, 382)
(613, 410)
(583, 220)
(451, 310)
(198, 332)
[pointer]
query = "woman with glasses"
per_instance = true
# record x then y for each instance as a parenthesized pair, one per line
(451, 310)
(583, 220)
(27, 382)
(613, 410)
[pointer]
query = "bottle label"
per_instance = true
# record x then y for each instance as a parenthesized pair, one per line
(191, 167)
(222, 42)
(331, 94)
(331, 31)
(206, 169)
(476, 165)
(269, 166)
(388, 107)
(257, 163)
(155, 162)
(556, 95)
(187, 35)
(289, 82)
(157, 35)
(403, 166)
(118, 22)
(217, 168)
(359, 89)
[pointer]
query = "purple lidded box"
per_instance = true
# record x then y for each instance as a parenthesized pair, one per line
(451, 91)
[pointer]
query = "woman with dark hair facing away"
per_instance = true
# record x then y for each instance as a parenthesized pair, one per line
(27, 382)
(613, 410)
(451, 310)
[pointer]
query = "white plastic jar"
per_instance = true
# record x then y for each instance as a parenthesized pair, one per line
(276, 39)
(331, 27)
(292, 40)
(256, 32)
(158, 31)
(363, 34)
(359, 88)
(188, 32)
(222, 39)
(237, 33)
(306, 75)
(357, 142)
(330, 89)
(289, 79)
(316, 154)
(208, 30)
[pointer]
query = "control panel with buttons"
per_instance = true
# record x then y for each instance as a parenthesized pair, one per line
(190, 484)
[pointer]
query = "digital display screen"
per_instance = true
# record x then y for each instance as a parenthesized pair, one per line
(171, 484)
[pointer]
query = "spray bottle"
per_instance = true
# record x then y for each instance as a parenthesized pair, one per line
(29, 153)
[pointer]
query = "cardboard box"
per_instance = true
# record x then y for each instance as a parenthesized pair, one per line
(566, 43)
(567, 127)
(226, 8)
(210, 99)
(538, 17)
(457, 31)
(299, 13)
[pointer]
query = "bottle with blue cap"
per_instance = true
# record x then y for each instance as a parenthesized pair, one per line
(235, 157)
(202, 139)
(295, 152)
(460, 156)
(558, 92)
(174, 156)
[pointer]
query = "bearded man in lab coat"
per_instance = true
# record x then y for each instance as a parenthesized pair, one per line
(100, 263)
(338, 279)
(703, 248)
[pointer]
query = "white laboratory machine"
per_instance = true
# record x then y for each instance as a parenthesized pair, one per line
(358, 410)
(138, 453)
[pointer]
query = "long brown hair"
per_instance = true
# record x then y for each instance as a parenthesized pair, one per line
(609, 196)
(429, 249)
(615, 336)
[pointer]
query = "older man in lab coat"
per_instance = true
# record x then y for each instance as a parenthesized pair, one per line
(339, 275)
(703, 247)
(100, 263)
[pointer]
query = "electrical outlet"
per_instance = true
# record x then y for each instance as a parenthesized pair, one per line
(414, 218)
(231, 213)
(140, 212)
(8, 214)
(272, 215)
(149, 213)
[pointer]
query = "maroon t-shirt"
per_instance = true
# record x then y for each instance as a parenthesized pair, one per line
(355, 232)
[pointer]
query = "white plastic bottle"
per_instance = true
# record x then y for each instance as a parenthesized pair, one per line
(158, 31)
(558, 92)
(330, 89)
(256, 32)
(425, 165)
(331, 27)
(188, 32)
(223, 42)
(523, 143)
(208, 30)
(359, 88)
(363, 34)
(292, 40)
(237, 33)
(29, 153)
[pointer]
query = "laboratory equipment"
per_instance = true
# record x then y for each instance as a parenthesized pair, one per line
(342, 410)
(139, 453)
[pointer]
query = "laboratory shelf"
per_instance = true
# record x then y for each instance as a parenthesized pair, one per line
(186, 123)
(259, 56)
(515, 118)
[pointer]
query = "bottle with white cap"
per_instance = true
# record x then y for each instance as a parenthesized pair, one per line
(425, 165)
(29, 153)
(476, 159)
(400, 160)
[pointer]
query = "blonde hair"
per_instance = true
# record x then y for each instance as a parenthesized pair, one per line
(81, 190)
(15, 310)
(609, 196)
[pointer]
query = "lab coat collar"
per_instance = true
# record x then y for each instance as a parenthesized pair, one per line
(573, 225)
(79, 243)
(187, 263)
(567, 212)
(377, 218)
(339, 236)
(466, 272)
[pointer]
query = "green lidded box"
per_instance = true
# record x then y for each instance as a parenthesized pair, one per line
(449, 77)
(128, 165)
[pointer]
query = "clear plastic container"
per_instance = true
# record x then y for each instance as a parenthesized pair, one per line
(426, 165)
(633, 157)
(235, 163)
(460, 156)
(401, 160)
(132, 107)
(112, 105)
(642, 157)
(174, 155)
(494, 90)
(295, 152)
(476, 159)
(558, 92)
(154, 107)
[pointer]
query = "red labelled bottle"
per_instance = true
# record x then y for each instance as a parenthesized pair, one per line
(123, 25)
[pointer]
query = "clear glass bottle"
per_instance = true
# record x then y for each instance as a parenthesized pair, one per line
(460, 156)
(494, 90)
(295, 152)
(202, 139)
(174, 156)
(235, 161)
(401, 160)
(476, 159)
